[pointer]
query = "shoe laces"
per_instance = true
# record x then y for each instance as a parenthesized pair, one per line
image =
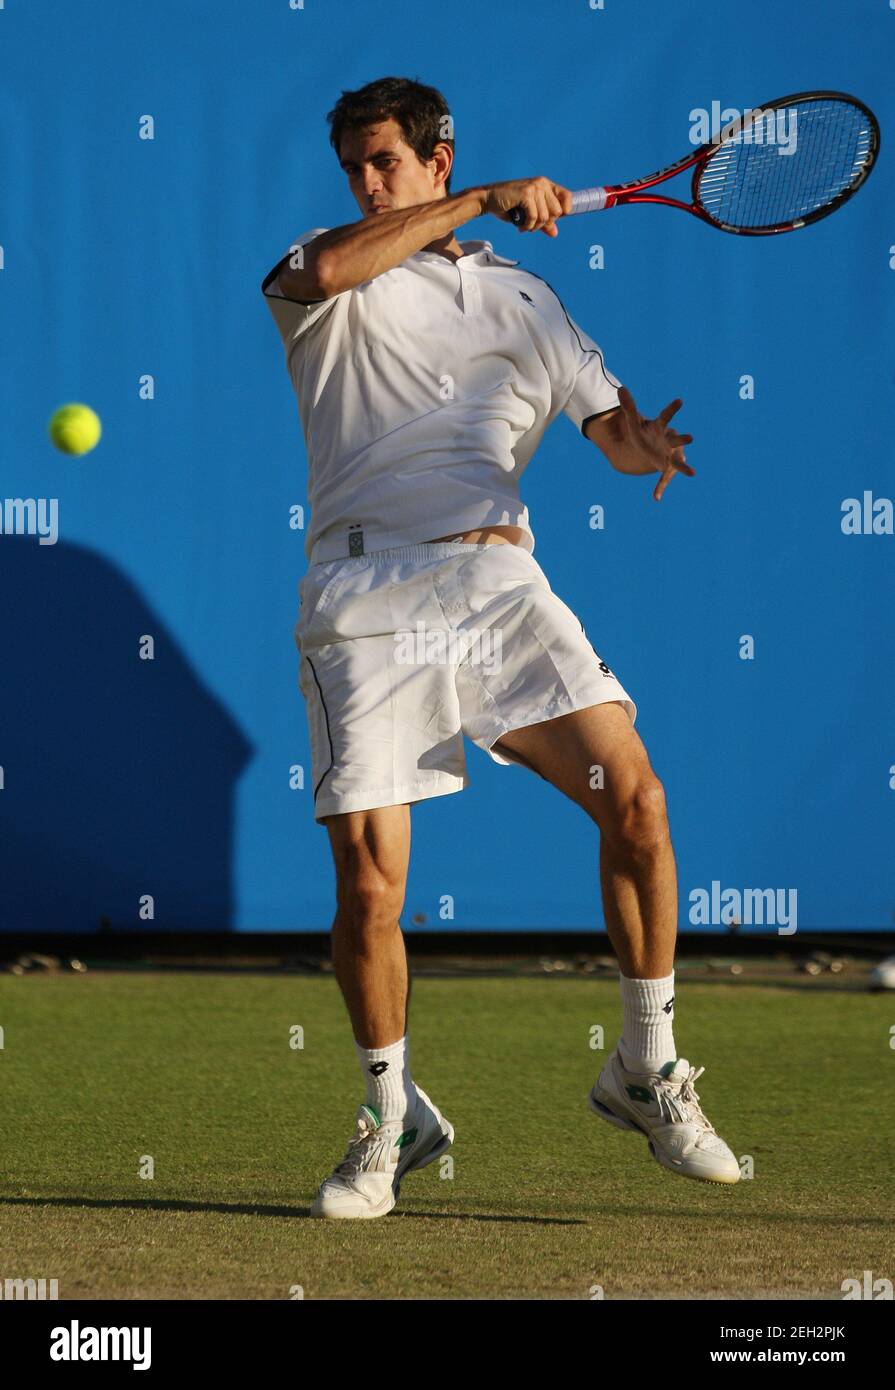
(680, 1101)
(359, 1148)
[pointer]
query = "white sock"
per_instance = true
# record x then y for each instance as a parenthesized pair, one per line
(647, 1040)
(390, 1091)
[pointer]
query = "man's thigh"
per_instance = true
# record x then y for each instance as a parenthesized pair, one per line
(594, 755)
(371, 850)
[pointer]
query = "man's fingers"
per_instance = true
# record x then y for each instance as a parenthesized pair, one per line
(662, 484)
(541, 200)
(668, 473)
(535, 210)
(554, 203)
(678, 460)
(541, 211)
(554, 209)
(564, 197)
(671, 409)
(530, 210)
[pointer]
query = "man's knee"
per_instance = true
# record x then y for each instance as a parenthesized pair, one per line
(638, 822)
(370, 855)
(368, 898)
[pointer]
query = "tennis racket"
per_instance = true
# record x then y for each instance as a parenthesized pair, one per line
(744, 182)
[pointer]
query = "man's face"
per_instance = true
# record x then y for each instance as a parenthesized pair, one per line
(383, 172)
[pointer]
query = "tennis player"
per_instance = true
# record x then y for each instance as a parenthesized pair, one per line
(426, 371)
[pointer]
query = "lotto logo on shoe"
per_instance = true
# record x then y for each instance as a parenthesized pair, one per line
(378, 1068)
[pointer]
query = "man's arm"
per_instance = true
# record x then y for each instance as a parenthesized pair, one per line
(344, 257)
(603, 431)
(296, 276)
(636, 445)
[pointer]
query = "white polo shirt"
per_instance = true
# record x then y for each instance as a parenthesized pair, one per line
(424, 392)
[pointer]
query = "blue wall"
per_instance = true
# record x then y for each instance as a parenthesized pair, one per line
(125, 257)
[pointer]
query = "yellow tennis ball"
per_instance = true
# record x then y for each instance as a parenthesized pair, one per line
(75, 428)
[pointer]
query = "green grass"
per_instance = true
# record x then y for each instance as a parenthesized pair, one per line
(545, 1199)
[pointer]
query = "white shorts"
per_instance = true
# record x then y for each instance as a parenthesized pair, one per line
(403, 651)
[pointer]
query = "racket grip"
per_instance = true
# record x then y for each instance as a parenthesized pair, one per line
(585, 200)
(589, 200)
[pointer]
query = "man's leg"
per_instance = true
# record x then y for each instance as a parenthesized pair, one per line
(643, 1086)
(399, 1129)
(595, 757)
(627, 802)
(371, 853)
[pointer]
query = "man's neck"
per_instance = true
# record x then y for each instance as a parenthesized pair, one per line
(449, 247)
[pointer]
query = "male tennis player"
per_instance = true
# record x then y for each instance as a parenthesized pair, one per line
(426, 371)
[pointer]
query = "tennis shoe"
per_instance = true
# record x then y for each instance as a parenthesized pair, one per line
(666, 1109)
(368, 1180)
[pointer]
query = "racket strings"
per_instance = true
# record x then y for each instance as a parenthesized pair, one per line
(752, 182)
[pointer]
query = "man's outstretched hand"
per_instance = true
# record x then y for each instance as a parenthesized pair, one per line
(649, 446)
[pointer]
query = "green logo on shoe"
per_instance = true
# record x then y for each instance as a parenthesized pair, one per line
(639, 1093)
(408, 1137)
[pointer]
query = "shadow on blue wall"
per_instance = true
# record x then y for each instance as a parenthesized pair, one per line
(119, 773)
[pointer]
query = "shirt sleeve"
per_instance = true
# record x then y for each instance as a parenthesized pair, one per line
(293, 317)
(595, 390)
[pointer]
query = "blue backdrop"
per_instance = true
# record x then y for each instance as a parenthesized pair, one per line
(130, 279)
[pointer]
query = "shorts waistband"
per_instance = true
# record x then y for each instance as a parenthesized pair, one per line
(417, 552)
(428, 550)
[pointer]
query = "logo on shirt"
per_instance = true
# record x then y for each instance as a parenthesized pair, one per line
(527, 297)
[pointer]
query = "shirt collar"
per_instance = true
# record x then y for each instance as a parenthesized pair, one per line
(480, 252)
(483, 252)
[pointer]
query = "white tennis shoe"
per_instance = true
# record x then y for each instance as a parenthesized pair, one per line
(367, 1182)
(666, 1109)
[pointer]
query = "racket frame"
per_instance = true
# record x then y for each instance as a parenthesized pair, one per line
(619, 194)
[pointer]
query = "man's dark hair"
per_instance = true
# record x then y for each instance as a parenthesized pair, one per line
(420, 112)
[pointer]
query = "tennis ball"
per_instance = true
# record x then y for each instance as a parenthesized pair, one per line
(75, 428)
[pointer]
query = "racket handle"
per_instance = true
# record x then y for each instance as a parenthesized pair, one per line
(585, 200)
(589, 200)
